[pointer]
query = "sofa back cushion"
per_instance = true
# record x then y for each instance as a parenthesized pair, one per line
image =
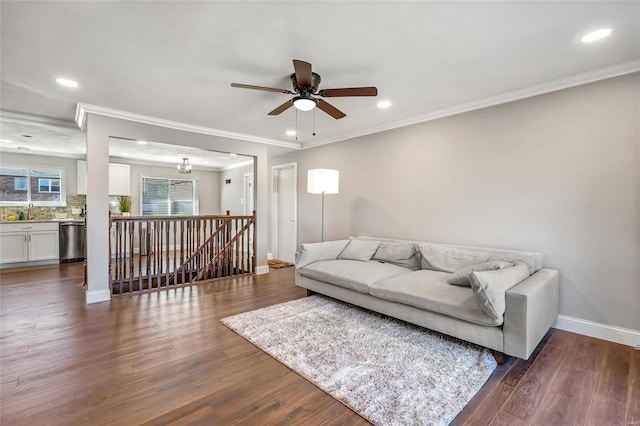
(449, 258)
(401, 253)
(314, 252)
(359, 250)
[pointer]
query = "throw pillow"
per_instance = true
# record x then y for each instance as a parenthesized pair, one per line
(490, 287)
(461, 277)
(315, 252)
(362, 250)
(398, 253)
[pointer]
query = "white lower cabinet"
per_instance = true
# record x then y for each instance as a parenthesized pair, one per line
(13, 247)
(29, 242)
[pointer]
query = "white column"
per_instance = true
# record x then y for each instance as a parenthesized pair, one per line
(97, 213)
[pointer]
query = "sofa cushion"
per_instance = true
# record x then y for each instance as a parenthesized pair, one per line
(314, 252)
(461, 277)
(399, 253)
(359, 250)
(447, 258)
(490, 287)
(429, 290)
(351, 274)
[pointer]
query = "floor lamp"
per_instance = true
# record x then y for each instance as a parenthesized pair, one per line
(323, 181)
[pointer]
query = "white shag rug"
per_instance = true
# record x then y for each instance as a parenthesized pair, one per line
(388, 371)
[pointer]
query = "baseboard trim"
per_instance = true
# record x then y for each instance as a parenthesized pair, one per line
(97, 296)
(262, 269)
(612, 333)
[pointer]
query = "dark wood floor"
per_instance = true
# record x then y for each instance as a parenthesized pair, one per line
(164, 358)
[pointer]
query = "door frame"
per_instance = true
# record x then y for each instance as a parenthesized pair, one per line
(275, 171)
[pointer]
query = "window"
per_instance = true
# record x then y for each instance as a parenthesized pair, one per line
(21, 185)
(48, 185)
(168, 197)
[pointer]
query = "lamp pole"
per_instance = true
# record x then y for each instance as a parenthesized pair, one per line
(322, 220)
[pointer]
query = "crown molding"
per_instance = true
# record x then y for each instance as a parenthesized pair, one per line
(539, 89)
(14, 117)
(83, 109)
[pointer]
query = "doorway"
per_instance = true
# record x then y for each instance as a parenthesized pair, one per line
(284, 200)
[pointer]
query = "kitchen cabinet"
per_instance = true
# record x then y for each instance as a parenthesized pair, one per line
(29, 242)
(119, 178)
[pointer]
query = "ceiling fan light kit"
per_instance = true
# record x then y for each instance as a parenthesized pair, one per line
(305, 86)
(304, 103)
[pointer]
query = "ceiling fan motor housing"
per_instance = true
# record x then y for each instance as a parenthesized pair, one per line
(315, 82)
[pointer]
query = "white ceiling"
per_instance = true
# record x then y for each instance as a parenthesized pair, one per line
(176, 60)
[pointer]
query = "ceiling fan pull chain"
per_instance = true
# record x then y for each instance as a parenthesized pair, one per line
(314, 122)
(296, 124)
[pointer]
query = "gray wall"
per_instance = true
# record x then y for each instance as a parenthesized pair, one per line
(232, 194)
(557, 173)
(208, 184)
(68, 164)
(208, 181)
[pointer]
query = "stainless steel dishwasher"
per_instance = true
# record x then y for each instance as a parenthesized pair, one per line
(72, 237)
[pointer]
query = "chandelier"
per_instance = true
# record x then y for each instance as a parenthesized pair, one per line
(185, 167)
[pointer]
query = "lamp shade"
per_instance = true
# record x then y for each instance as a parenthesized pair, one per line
(323, 181)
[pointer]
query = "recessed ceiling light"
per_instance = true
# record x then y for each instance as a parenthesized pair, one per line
(596, 35)
(206, 162)
(66, 82)
(125, 154)
(384, 104)
(233, 155)
(142, 142)
(6, 141)
(291, 132)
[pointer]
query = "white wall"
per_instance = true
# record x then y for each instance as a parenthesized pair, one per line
(557, 173)
(232, 194)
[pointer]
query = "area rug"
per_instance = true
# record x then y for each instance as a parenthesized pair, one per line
(388, 371)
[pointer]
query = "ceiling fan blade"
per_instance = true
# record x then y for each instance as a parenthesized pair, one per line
(268, 89)
(285, 106)
(330, 109)
(303, 72)
(349, 91)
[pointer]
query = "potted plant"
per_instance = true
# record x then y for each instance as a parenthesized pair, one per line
(124, 203)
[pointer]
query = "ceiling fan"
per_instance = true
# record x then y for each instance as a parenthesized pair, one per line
(305, 87)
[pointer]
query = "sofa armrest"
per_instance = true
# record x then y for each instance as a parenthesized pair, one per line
(531, 309)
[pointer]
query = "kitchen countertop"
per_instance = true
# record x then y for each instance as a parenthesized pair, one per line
(44, 220)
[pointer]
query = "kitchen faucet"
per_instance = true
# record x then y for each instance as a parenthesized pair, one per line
(29, 207)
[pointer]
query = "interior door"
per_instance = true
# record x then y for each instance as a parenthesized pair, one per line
(285, 234)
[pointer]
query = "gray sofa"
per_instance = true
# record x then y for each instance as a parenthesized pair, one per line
(504, 300)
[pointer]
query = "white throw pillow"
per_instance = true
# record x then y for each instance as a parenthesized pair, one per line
(461, 277)
(362, 250)
(314, 252)
(490, 287)
(398, 253)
